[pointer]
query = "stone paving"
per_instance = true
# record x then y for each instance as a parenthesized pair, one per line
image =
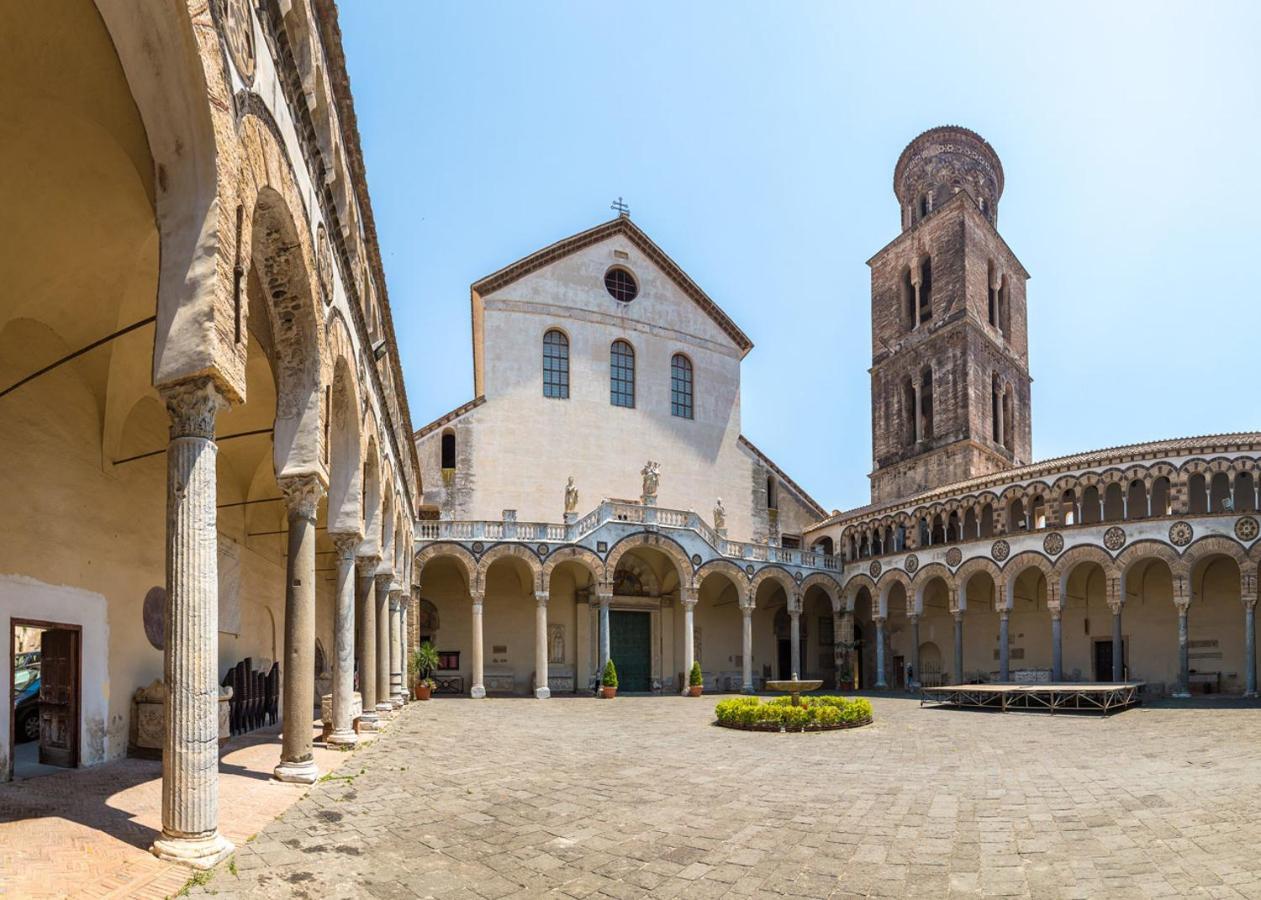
(643, 797)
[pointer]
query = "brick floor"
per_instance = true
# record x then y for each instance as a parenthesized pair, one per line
(643, 797)
(86, 833)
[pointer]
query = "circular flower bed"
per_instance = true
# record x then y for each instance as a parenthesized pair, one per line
(814, 714)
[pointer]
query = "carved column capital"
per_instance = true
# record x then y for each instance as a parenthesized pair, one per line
(383, 580)
(541, 597)
(1056, 611)
(367, 565)
(193, 406)
(746, 609)
(879, 621)
(302, 495)
(478, 598)
(346, 543)
(1116, 604)
(688, 597)
(604, 597)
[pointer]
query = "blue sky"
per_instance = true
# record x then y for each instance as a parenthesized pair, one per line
(756, 144)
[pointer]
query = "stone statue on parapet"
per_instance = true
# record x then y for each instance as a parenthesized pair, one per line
(652, 477)
(720, 516)
(571, 496)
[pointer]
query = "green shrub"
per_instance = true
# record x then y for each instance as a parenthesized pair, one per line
(609, 679)
(694, 678)
(778, 712)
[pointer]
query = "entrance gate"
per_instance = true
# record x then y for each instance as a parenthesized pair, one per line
(630, 646)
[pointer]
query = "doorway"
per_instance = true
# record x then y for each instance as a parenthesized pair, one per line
(44, 667)
(630, 647)
(1103, 660)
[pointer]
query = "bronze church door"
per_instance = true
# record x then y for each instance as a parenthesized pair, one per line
(630, 646)
(59, 698)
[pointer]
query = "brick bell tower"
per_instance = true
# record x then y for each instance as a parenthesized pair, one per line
(949, 355)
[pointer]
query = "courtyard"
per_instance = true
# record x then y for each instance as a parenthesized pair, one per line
(642, 796)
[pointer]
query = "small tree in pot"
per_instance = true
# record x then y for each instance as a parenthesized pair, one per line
(608, 681)
(425, 662)
(695, 681)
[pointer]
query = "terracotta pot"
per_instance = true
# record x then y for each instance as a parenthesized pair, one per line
(608, 693)
(423, 691)
(694, 690)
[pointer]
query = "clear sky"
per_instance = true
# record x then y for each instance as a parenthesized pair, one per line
(756, 142)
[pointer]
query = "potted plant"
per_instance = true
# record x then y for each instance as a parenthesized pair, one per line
(425, 663)
(608, 681)
(695, 681)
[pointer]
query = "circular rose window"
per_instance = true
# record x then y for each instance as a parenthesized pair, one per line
(621, 284)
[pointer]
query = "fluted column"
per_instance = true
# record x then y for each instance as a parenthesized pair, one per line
(382, 583)
(1004, 645)
(746, 649)
(396, 648)
(297, 673)
(689, 635)
(366, 609)
(915, 673)
(881, 683)
(343, 733)
(478, 689)
(190, 758)
(794, 622)
(958, 614)
(541, 689)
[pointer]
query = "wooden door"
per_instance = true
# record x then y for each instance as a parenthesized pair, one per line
(630, 646)
(59, 698)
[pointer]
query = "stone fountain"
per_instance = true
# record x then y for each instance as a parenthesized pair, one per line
(794, 686)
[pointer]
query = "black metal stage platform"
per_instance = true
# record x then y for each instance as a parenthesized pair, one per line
(1092, 696)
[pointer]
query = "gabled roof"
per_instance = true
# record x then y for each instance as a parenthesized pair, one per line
(622, 225)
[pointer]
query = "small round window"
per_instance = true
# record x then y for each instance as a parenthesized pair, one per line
(621, 284)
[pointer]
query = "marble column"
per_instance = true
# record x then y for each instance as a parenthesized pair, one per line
(478, 690)
(1183, 687)
(343, 733)
(689, 636)
(1250, 645)
(381, 584)
(746, 649)
(1118, 644)
(849, 656)
(794, 634)
(190, 758)
(881, 683)
(297, 672)
(915, 674)
(838, 649)
(958, 614)
(1057, 645)
(1004, 645)
(605, 600)
(396, 648)
(542, 690)
(365, 601)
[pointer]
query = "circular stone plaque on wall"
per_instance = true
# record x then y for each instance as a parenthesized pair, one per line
(1001, 550)
(1180, 533)
(1114, 538)
(1246, 528)
(912, 564)
(154, 615)
(874, 568)
(1053, 543)
(954, 556)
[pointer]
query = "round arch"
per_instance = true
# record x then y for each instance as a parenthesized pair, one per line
(580, 556)
(670, 547)
(733, 573)
(449, 550)
(510, 551)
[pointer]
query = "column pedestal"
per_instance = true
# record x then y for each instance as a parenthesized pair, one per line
(190, 759)
(343, 733)
(478, 690)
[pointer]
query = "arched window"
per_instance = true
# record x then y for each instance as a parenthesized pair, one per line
(681, 386)
(772, 496)
(622, 374)
(448, 450)
(926, 404)
(556, 365)
(926, 290)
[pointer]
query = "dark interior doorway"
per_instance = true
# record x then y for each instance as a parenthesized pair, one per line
(1103, 660)
(44, 712)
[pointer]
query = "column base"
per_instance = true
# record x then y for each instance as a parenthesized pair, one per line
(542, 693)
(200, 853)
(1181, 695)
(384, 710)
(747, 689)
(305, 772)
(478, 692)
(396, 702)
(343, 740)
(368, 723)
(880, 686)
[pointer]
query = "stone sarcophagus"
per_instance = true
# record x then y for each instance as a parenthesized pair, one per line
(147, 731)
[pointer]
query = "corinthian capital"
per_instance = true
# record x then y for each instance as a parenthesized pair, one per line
(193, 406)
(346, 544)
(302, 494)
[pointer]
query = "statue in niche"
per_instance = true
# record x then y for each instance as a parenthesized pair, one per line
(652, 477)
(555, 644)
(720, 516)
(571, 496)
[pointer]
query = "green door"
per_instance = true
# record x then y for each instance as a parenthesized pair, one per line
(630, 646)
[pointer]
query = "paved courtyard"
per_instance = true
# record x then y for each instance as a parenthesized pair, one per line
(643, 797)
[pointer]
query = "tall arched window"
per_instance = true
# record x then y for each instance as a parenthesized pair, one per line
(448, 449)
(556, 365)
(622, 374)
(681, 386)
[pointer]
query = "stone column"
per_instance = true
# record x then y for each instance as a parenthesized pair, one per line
(1004, 645)
(689, 635)
(190, 758)
(297, 672)
(365, 601)
(396, 648)
(1118, 646)
(881, 684)
(1057, 646)
(847, 643)
(958, 614)
(1183, 688)
(343, 733)
(746, 649)
(404, 612)
(795, 641)
(478, 690)
(915, 676)
(605, 599)
(541, 688)
(1250, 645)
(382, 584)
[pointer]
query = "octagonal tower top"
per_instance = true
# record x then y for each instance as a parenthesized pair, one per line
(941, 162)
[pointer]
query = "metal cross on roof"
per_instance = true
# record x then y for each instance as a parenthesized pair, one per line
(620, 205)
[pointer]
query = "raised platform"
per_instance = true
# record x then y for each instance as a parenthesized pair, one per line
(1104, 697)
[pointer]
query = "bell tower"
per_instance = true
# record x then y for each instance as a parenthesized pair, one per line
(950, 354)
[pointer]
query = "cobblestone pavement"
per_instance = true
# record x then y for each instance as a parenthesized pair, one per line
(642, 797)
